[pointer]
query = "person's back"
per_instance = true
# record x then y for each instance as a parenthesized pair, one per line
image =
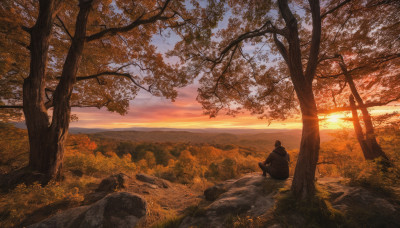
(278, 162)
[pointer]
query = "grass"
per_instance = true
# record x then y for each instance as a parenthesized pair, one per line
(315, 212)
(22, 201)
(172, 222)
(175, 221)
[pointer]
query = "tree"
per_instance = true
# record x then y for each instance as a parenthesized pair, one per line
(362, 52)
(94, 54)
(234, 79)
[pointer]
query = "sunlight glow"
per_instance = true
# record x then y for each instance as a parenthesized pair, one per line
(334, 118)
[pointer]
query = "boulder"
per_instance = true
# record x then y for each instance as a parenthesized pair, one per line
(252, 195)
(212, 193)
(93, 197)
(112, 183)
(376, 210)
(120, 209)
(152, 180)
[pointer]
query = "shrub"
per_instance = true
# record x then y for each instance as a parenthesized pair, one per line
(23, 200)
(98, 164)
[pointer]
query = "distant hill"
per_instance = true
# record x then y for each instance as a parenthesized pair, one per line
(260, 141)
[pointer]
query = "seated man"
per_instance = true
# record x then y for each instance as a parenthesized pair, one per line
(277, 163)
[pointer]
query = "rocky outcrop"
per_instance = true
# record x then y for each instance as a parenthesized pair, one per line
(212, 193)
(377, 210)
(154, 182)
(112, 183)
(120, 209)
(252, 195)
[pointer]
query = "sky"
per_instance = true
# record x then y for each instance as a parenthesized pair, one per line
(155, 112)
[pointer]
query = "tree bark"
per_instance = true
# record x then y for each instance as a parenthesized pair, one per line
(303, 181)
(374, 151)
(358, 130)
(303, 185)
(36, 118)
(47, 140)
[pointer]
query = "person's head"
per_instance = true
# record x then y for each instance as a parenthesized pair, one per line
(277, 143)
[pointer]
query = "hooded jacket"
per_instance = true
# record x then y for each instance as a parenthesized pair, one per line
(278, 162)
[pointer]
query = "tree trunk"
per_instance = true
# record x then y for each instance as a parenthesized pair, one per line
(374, 150)
(47, 140)
(303, 185)
(303, 181)
(36, 118)
(61, 98)
(358, 130)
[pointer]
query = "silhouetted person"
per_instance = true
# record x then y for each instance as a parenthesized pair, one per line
(277, 163)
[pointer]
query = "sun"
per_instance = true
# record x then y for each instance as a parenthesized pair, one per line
(334, 118)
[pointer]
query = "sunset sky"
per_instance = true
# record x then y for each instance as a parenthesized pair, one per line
(186, 112)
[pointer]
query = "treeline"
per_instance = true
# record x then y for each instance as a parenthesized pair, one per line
(185, 163)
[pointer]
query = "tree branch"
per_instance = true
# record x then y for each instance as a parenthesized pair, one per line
(114, 73)
(367, 105)
(334, 8)
(26, 29)
(281, 48)
(134, 24)
(11, 106)
(315, 40)
(64, 27)
(248, 35)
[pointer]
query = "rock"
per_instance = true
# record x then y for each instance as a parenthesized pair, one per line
(358, 200)
(120, 209)
(94, 197)
(152, 180)
(112, 183)
(252, 195)
(44, 212)
(212, 193)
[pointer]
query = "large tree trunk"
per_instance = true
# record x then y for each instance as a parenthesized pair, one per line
(58, 129)
(303, 185)
(47, 140)
(370, 145)
(303, 181)
(36, 118)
